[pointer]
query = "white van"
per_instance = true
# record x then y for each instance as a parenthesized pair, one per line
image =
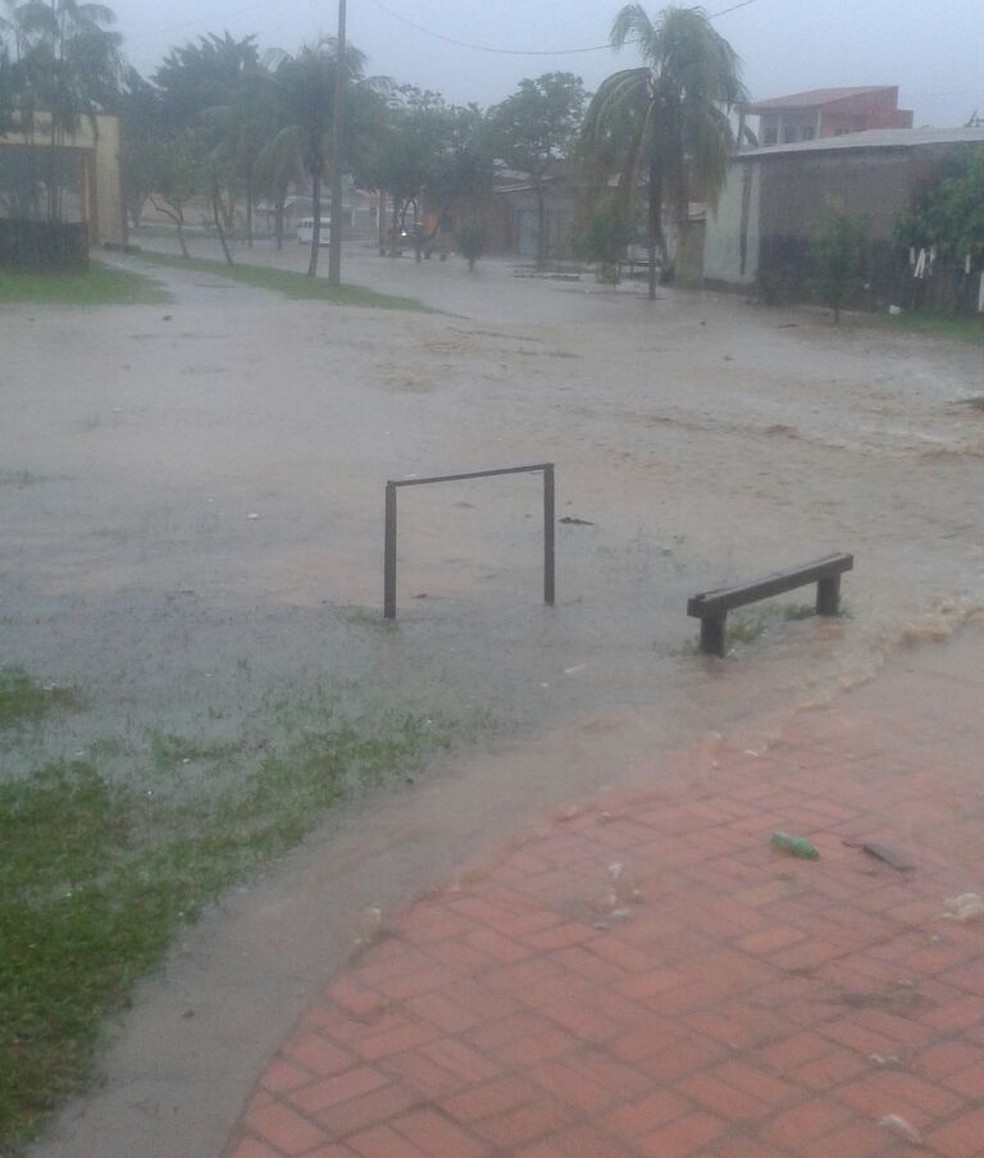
(305, 231)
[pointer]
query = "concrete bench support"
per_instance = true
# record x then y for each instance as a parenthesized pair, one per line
(712, 607)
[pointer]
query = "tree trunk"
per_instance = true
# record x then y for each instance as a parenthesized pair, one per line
(217, 214)
(249, 210)
(181, 236)
(655, 237)
(316, 232)
(541, 227)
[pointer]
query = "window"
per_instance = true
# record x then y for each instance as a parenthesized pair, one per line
(809, 133)
(770, 137)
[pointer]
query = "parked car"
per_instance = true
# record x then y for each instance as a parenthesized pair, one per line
(305, 231)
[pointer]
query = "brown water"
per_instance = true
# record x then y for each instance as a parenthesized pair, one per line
(193, 503)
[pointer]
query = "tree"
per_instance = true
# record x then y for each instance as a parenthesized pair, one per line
(175, 172)
(140, 128)
(429, 156)
(535, 129)
(838, 257)
(217, 89)
(603, 240)
(278, 167)
(665, 125)
(307, 81)
(202, 76)
(947, 216)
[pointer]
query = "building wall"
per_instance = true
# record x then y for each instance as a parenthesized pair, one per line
(781, 197)
(731, 239)
(109, 225)
(98, 153)
(856, 114)
(796, 189)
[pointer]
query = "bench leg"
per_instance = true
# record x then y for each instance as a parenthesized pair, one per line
(828, 595)
(712, 634)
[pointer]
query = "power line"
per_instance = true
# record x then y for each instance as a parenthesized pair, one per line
(522, 51)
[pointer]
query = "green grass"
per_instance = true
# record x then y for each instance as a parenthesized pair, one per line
(23, 701)
(99, 285)
(297, 286)
(935, 325)
(745, 626)
(98, 874)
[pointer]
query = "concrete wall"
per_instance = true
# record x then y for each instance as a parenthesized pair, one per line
(783, 195)
(732, 236)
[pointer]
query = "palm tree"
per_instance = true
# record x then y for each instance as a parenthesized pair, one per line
(308, 83)
(666, 124)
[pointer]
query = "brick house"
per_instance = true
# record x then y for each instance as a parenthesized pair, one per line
(774, 200)
(828, 112)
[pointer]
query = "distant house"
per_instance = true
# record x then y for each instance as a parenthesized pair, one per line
(86, 166)
(828, 112)
(511, 216)
(774, 200)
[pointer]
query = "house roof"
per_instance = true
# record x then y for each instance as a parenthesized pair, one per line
(816, 97)
(873, 139)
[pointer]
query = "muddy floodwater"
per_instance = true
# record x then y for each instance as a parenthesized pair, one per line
(191, 498)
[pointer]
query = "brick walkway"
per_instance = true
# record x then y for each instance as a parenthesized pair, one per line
(655, 979)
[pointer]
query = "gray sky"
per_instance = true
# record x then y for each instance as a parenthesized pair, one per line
(932, 49)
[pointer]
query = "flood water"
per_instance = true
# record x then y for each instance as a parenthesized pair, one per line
(193, 499)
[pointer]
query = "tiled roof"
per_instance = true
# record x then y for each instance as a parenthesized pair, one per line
(874, 139)
(814, 98)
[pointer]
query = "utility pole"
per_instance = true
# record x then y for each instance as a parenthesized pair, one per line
(337, 135)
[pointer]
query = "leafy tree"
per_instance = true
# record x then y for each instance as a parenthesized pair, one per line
(202, 76)
(665, 125)
(175, 172)
(535, 129)
(219, 90)
(430, 156)
(838, 257)
(603, 240)
(948, 215)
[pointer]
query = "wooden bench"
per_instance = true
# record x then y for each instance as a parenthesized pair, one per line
(712, 607)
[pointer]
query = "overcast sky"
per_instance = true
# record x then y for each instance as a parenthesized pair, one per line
(932, 49)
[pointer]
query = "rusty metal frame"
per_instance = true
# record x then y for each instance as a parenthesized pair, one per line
(389, 545)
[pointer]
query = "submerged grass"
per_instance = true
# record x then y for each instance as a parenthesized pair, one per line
(99, 285)
(97, 876)
(23, 701)
(297, 286)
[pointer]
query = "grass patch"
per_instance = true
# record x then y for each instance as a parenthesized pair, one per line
(23, 701)
(745, 626)
(97, 875)
(935, 325)
(297, 286)
(99, 285)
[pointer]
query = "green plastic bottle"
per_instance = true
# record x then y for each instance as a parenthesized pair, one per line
(794, 845)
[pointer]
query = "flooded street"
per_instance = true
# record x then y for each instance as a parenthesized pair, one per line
(192, 502)
(193, 497)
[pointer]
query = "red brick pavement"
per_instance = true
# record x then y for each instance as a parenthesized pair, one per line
(655, 979)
